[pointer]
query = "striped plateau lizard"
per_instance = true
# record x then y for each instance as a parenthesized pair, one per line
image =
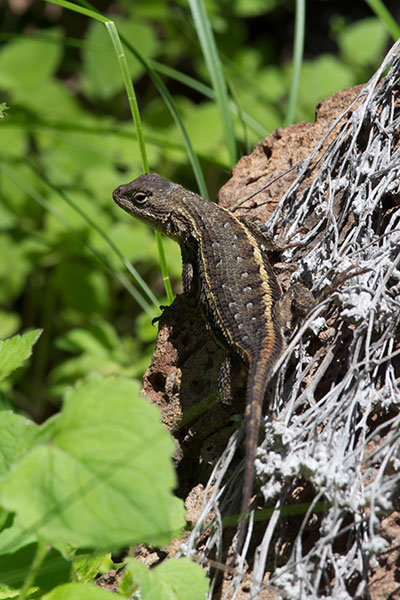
(225, 263)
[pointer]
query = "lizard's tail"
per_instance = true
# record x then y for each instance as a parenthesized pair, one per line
(258, 380)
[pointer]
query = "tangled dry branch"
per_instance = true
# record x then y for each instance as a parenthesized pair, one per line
(329, 462)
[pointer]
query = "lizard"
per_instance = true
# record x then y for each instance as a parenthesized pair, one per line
(225, 264)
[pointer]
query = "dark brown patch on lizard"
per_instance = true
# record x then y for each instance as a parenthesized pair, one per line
(226, 264)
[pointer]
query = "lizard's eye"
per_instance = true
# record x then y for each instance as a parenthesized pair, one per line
(140, 198)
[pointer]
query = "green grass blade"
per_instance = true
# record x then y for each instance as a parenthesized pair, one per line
(92, 14)
(210, 53)
(385, 17)
(138, 278)
(123, 63)
(297, 60)
(135, 293)
(162, 89)
(171, 105)
(208, 93)
(120, 54)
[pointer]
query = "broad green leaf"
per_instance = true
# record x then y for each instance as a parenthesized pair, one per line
(13, 536)
(363, 42)
(26, 62)
(66, 155)
(106, 478)
(7, 218)
(14, 268)
(98, 338)
(6, 592)
(88, 566)
(13, 142)
(203, 122)
(135, 241)
(12, 192)
(65, 210)
(83, 288)
(171, 580)
(74, 368)
(270, 85)
(53, 101)
(14, 351)
(98, 181)
(101, 349)
(79, 591)
(184, 577)
(101, 77)
(15, 438)
(14, 568)
(319, 79)
(9, 323)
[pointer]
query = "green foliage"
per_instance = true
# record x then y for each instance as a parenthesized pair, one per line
(26, 63)
(14, 351)
(79, 591)
(14, 567)
(98, 473)
(361, 42)
(3, 109)
(100, 77)
(172, 579)
(105, 449)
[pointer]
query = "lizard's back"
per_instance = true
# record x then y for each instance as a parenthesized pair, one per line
(238, 286)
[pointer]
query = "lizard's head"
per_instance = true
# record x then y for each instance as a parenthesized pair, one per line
(148, 199)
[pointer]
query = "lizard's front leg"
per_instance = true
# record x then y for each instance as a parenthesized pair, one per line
(190, 276)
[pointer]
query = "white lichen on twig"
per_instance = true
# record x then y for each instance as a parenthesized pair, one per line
(334, 435)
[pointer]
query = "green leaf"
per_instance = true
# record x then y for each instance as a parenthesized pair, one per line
(106, 478)
(13, 194)
(88, 566)
(3, 109)
(101, 77)
(9, 323)
(15, 567)
(171, 580)
(13, 142)
(135, 241)
(100, 349)
(82, 287)
(13, 537)
(66, 210)
(6, 592)
(26, 62)
(98, 339)
(363, 42)
(15, 350)
(79, 591)
(14, 268)
(66, 156)
(252, 8)
(319, 79)
(15, 438)
(53, 97)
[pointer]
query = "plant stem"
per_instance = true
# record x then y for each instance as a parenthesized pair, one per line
(41, 551)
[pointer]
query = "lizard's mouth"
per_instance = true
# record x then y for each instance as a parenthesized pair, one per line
(121, 199)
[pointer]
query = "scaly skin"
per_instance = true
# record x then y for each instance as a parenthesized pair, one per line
(225, 262)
